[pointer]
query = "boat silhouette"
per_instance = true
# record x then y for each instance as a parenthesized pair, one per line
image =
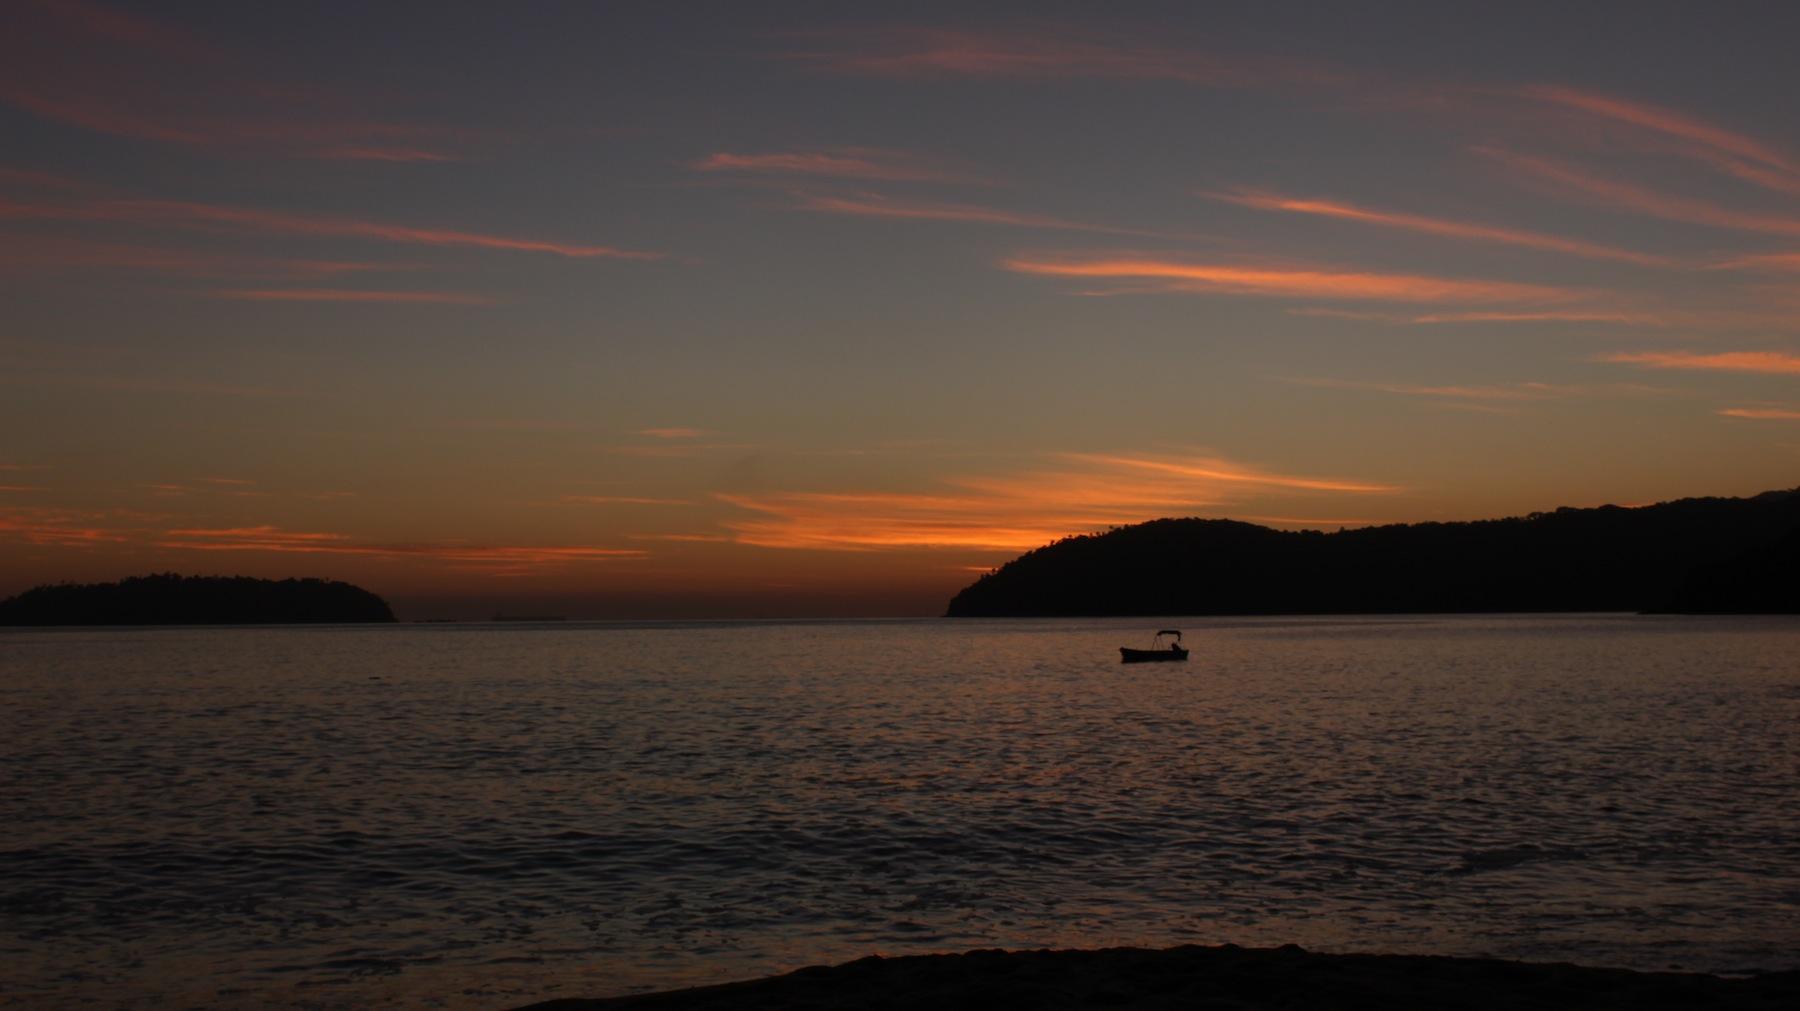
(1157, 651)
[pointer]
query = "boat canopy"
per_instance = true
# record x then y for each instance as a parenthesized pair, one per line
(1171, 631)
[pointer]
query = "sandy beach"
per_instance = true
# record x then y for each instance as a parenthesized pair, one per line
(1227, 978)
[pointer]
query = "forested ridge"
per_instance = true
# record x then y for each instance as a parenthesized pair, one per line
(1698, 555)
(171, 599)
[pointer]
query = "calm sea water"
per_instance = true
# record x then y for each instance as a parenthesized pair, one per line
(475, 816)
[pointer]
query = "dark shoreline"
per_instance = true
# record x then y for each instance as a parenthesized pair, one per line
(1227, 978)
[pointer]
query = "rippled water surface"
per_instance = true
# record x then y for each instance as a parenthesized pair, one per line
(475, 816)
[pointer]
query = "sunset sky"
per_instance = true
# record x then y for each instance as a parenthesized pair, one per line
(659, 309)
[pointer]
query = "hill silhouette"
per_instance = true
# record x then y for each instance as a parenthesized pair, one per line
(1699, 555)
(171, 599)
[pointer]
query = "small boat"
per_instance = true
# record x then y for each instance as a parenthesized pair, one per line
(1157, 651)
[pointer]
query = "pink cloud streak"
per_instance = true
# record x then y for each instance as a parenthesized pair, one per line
(1175, 275)
(870, 206)
(1039, 53)
(1663, 121)
(842, 163)
(186, 214)
(1769, 362)
(275, 539)
(1643, 199)
(351, 295)
(1263, 200)
(1762, 413)
(130, 76)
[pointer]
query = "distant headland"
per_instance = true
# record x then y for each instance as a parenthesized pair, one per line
(171, 599)
(1691, 556)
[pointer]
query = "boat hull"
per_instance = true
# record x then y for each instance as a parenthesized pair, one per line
(1128, 655)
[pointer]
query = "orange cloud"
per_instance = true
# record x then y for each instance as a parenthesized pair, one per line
(185, 214)
(623, 500)
(1085, 492)
(841, 162)
(1183, 276)
(275, 539)
(350, 295)
(1262, 200)
(1772, 362)
(1762, 413)
(1222, 470)
(674, 433)
(56, 527)
(1643, 199)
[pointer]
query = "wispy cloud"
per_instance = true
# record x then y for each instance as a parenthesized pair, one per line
(1491, 398)
(1076, 493)
(872, 206)
(675, 449)
(835, 162)
(674, 433)
(1224, 471)
(1762, 413)
(127, 75)
(278, 540)
(1632, 315)
(1035, 52)
(40, 253)
(1772, 362)
(56, 527)
(1642, 199)
(1495, 392)
(1291, 282)
(37, 180)
(350, 295)
(1264, 200)
(1567, 316)
(184, 214)
(623, 500)
(1761, 261)
(1736, 153)
(151, 384)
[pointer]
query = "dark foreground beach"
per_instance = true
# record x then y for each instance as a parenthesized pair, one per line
(1226, 978)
